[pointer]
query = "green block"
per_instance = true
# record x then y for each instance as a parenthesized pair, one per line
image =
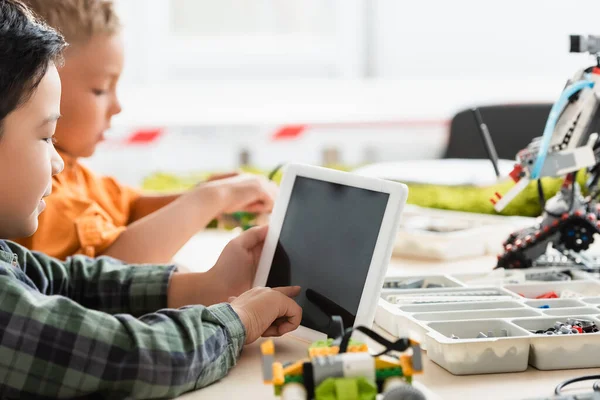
(329, 343)
(294, 378)
(321, 343)
(346, 389)
(383, 374)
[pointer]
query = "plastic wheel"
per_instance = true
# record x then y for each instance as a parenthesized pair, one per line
(577, 235)
(404, 392)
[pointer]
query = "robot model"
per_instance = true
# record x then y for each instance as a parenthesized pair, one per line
(342, 368)
(570, 143)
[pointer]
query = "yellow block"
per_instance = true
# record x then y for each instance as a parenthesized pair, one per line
(323, 351)
(267, 348)
(362, 348)
(294, 369)
(278, 375)
(406, 363)
(385, 362)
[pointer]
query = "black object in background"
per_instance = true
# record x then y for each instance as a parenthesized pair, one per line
(512, 127)
(325, 246)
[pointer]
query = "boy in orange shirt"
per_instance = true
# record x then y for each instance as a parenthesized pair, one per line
(95, 215)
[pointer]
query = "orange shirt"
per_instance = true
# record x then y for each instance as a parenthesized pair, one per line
(85, 213)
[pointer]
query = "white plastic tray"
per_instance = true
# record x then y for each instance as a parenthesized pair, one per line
(470, 355)
(432, 316)
(561, 352)
(444, 235)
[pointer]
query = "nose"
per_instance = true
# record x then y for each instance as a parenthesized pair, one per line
(115, 105)
(57, 163)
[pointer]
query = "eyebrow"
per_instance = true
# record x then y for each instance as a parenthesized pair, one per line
(50, 119)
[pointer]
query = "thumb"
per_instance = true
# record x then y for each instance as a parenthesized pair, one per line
(253, 237)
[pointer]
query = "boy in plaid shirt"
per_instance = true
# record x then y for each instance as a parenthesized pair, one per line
(86, 326)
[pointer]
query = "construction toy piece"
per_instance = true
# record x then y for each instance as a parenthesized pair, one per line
(341, 368)
(573, 326)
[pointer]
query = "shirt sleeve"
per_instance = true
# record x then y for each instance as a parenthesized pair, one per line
(54, 346)
(103, 284)
(123, 196)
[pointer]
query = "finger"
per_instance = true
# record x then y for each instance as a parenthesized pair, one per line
(274, 331)
(292, 312)
(271, 331)
(253, 237)
(273, 190)
(289, 291)
(258, 207)
(271, 193)
(261, 204)
(286, 327)
(217, 177)
(280, 327)
(289, 311)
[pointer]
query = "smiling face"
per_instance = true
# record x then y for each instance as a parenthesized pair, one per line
(28, 159)
(89, 82)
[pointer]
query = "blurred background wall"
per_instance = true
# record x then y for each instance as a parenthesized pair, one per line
(212, 85)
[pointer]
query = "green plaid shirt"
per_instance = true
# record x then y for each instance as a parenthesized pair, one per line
(93, 326)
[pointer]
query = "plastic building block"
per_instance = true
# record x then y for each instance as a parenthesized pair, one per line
(548, 295)
(573, 326)
(383, 374)
(346, 388)
(344, 369)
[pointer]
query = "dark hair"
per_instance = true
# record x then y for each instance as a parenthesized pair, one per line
(27, 46)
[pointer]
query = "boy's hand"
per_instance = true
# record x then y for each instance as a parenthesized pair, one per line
(232, 274)
(235, 269)
(268, 312)
(244, 192)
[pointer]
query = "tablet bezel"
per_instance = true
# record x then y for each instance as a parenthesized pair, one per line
(382, 252)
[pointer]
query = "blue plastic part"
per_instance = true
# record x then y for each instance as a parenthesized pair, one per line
(555, 112)
(544, 306)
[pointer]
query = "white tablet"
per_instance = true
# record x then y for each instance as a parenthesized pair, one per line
(332, 233)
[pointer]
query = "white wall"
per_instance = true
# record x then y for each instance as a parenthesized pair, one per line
(463, 39)
(436, 39)
(374, 61)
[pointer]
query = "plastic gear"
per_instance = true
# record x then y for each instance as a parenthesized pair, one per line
(577, 235)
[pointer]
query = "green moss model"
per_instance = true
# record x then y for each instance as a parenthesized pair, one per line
(457, 198)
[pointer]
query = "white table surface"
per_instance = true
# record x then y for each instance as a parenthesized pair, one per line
(245, 380)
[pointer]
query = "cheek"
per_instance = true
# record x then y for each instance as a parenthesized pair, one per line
(81, 113)
(39, 168)
(30, 175)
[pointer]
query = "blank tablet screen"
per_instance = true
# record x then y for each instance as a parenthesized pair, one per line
(325, 246)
